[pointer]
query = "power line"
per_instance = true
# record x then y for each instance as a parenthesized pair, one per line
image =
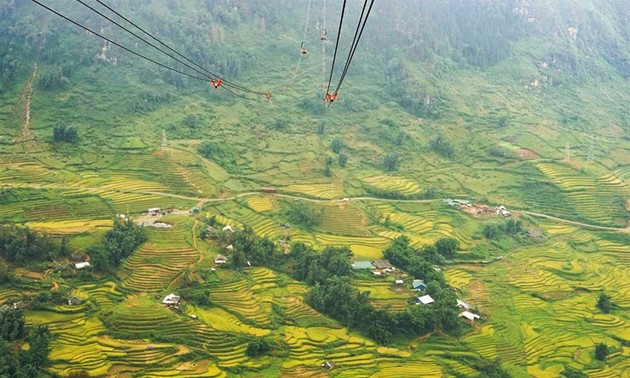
(332, 70)
(140, 38)
(118, 44)
(353, 49)
(299, 63)
(225, 82)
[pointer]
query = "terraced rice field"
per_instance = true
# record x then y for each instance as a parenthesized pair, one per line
(598, 199)
(326, 191)
(70, 227)
(260, 204)
(555, 322)
(400, 185)
(56, 205)
(152, 269)
(343, 220)
(386, 294)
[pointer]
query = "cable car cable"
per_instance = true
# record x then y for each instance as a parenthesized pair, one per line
(118, 44)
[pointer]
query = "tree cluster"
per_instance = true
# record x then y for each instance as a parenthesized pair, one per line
(63, 133)
(391, 162)
(442, 146)
(117, 244)
(20, 245)
(509, 227)
(218, 153)
(329, 272)
(303, 215)
(15, 362)
(604, 303)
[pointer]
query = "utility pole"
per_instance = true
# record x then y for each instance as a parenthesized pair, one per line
(591, 153)
(164, 141)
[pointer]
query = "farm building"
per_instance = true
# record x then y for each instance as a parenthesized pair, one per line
(82, 265)
(154, 211)
(362, 265)
(469, 315)
(74, 301)
(20, 305)
(382, 264)
(171, 299)
(220, 259)
(463, 304)
(425, 300)
(535, 233)
(268, 189)
(328, 365)
(400, 282)
(210, 231)
(418, 285)
(229, 228)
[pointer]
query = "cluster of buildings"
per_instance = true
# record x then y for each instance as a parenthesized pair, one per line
(478, 209)
(378, 267)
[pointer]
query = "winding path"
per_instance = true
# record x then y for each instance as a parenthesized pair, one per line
(200, 201)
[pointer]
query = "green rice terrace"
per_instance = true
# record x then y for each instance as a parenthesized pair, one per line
(461, 210)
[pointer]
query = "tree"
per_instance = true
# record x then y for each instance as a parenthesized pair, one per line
(447, 246)
(337, 145)
(601, 351)
(569, 372)
(304, 215)
(513, 227)
(604, 303)
(191, 121)
(442, 146)
(343, 160)
(258, 347)
(321, 128)
(491, 231)
(391, 161)
(62, 133)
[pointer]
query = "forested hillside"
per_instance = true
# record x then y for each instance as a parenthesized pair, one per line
(517, 109)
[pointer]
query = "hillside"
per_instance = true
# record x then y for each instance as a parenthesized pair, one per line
(519, 103)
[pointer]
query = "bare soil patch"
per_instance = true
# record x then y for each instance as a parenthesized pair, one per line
(527, 154)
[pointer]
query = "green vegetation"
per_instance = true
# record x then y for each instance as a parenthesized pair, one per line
(117, 244)
(62, 133)
(15, 362)
(601, 351)
(604, 303)
(303, 215)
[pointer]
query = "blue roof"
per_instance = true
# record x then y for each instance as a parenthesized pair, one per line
(360, 265)
(418, 284)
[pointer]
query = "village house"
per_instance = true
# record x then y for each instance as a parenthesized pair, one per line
(418, 285)
(74, 301)
(229, 228)
(462, 304)
(81, 265)
(210, 231)
(400, 282)
(382, 265)
(425, 300)
(154, 211)
(362, 265)
(328, 365)
(171, 300)
(20, 305)
(469, 316)
(220, 259)
(535, 233)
